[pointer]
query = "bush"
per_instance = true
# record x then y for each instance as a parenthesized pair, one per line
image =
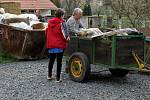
(87, 10)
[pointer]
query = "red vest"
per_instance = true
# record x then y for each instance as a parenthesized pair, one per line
(54, 35)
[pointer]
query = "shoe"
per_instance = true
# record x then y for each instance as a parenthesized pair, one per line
(49, 78)
(58, 81)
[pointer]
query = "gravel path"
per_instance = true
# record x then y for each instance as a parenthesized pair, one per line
(26, 80)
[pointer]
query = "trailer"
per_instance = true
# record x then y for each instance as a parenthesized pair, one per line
(114, 52)
(22, 43)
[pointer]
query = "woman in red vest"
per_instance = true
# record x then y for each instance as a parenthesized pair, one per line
(56, 41)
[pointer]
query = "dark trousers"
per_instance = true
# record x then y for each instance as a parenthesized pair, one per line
(52, 57)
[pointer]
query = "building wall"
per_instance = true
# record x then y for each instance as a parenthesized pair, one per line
(46, 12)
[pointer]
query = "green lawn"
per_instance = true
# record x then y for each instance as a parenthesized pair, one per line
(6, 58)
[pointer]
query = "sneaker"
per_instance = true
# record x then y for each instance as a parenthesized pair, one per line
(58, 81)
(49, 78)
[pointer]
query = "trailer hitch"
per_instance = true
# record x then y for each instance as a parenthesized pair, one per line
(141, 64)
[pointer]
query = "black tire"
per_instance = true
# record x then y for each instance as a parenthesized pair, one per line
(79, 67)
(118, 72)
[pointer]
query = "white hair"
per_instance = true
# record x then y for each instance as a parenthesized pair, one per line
(77, 10)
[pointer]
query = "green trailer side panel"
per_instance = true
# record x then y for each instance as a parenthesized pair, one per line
(113, 51)
(72, 47)
(103, 50)
(113, 59)
(124, 48)
(86, 46)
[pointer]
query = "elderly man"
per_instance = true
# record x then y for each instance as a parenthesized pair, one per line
(74, 23)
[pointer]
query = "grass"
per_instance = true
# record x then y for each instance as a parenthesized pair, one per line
(6, 58)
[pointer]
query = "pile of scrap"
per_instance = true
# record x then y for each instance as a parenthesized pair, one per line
(90, 32)
(94, 32)
(24, 21)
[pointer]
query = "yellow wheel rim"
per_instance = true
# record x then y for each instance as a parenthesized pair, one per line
(76, 67)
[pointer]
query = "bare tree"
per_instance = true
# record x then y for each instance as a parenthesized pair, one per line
(57, 3)
(69, 5)
(118, 7)
(134, 10)
(147, 9)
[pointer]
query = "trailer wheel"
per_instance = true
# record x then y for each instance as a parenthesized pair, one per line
(118, 72)
(79, 67)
